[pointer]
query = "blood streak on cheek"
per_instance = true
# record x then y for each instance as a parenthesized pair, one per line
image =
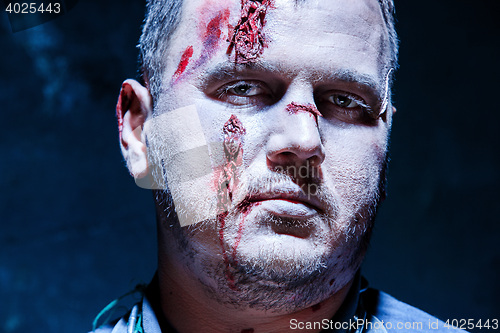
(246, 38)
(188, 53)
(294, 108)
(213, 32)
(245, 213)
(210, 37)
(233, 132)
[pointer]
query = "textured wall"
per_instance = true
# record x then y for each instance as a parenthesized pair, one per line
(76, 232)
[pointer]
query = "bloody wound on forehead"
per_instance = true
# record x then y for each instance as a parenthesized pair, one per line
(247, 38)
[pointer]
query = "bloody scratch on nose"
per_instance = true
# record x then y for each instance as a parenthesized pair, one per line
(294, 108)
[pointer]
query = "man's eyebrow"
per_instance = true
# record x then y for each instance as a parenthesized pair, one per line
(366, 81)
(229, 69)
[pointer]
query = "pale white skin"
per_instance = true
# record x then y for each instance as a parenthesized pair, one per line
(283, 268)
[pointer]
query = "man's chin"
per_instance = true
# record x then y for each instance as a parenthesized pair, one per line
(281, 258)
(284, 272)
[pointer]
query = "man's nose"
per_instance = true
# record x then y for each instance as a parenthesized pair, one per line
(295, 138)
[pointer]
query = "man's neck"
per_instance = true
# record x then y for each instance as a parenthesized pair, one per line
(189, 308)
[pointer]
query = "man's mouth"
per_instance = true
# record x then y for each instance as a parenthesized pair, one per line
(285, 203)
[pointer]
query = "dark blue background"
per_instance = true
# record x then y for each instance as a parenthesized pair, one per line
(75, 231)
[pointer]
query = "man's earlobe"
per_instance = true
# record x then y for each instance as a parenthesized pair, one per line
(133, 108)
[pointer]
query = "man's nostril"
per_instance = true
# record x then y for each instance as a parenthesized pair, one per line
(314, 161)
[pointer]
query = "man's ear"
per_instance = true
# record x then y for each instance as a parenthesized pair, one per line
(133, 108)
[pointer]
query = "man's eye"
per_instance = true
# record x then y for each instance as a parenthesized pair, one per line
(245, 93)
(346, 107)
(344, 101)
(244, 89)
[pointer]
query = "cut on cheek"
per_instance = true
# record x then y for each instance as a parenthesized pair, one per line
(247, 38)
(233, 132)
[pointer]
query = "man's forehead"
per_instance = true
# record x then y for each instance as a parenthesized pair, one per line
(353, 13)
(332, 29)
(367, 10)
(322, 29)
(344, 12)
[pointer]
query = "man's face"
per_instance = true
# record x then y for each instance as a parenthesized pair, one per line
(303, 140)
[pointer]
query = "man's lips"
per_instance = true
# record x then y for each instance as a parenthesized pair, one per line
(294, 197)
(291, 204)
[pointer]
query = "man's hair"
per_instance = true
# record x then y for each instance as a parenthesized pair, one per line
(162, 18)
(160, 22)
